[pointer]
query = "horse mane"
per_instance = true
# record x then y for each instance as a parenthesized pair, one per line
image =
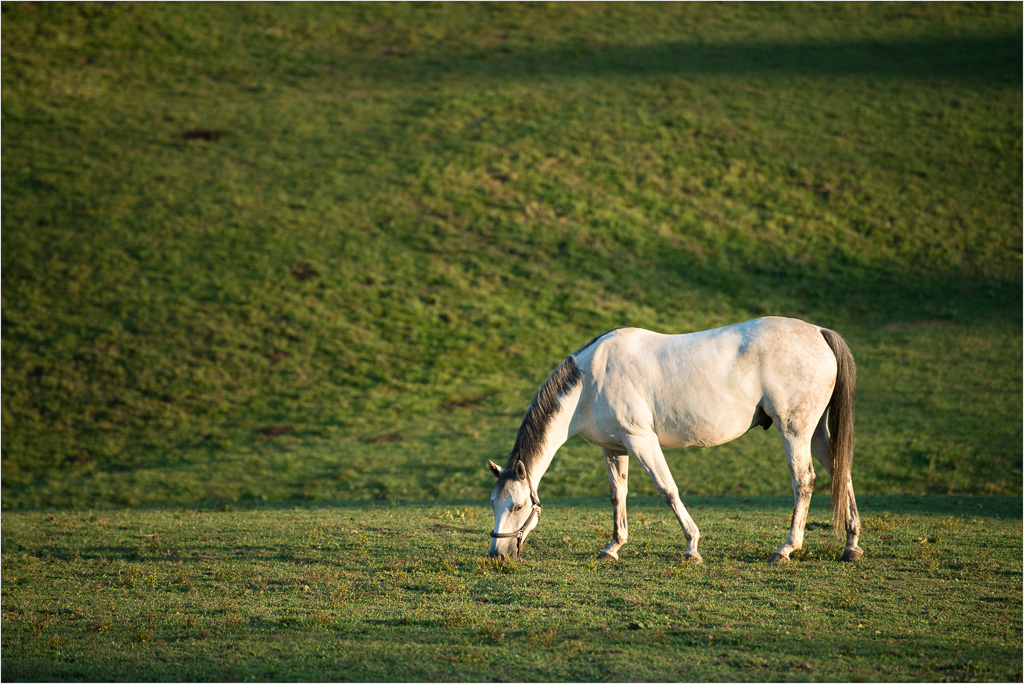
(546, 402)
(529, 444)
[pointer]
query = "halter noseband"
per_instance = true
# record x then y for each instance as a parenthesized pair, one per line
(521, 532)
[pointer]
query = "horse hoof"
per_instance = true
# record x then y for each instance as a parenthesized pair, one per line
(850, 555)
(608, 556)
(777, 557)
(692, 558)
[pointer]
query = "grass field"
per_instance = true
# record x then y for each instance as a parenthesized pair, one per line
(325, 253)
(403, 593)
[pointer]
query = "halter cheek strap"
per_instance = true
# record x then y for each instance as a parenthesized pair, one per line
(521, 532)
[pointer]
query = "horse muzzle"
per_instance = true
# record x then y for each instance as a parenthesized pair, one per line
(519, 535)
(509, 552)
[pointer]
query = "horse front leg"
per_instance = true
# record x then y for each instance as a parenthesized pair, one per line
(618, 470)
(647, 451)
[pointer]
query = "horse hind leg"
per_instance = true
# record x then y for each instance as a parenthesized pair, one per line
(852, 551)
(647, 451)
(823, 452)
(798, 458)
(618, 470)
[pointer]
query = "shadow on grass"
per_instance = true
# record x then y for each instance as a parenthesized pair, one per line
(877, 296)
(978, 506)
(995, 58)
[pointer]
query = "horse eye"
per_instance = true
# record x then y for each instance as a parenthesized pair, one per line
(517, 507)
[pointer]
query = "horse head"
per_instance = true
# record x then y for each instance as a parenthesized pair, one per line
(516, 510)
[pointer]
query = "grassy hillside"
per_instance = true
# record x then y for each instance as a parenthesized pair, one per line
(330, 250)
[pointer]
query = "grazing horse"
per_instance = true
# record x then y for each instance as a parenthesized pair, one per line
(634, 392)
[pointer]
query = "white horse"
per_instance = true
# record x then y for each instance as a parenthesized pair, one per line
(633, 392)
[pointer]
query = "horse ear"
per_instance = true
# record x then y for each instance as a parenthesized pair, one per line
(495, 468)
(520, 470)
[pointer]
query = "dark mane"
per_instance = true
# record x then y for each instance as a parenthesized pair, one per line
(530, 439)
(545, 404)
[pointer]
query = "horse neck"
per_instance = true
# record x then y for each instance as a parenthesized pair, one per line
(559, 429)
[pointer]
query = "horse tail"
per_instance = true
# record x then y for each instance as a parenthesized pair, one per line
(840, 429)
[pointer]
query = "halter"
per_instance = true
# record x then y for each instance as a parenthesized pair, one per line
(521, 532)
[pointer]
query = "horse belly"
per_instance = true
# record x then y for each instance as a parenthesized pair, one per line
(706, 397)
(693, 429)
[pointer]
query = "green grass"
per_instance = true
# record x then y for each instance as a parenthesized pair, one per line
(416, 211)
(324, 254)
(404, 593)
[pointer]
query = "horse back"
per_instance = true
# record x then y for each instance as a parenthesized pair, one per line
(703, 388)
